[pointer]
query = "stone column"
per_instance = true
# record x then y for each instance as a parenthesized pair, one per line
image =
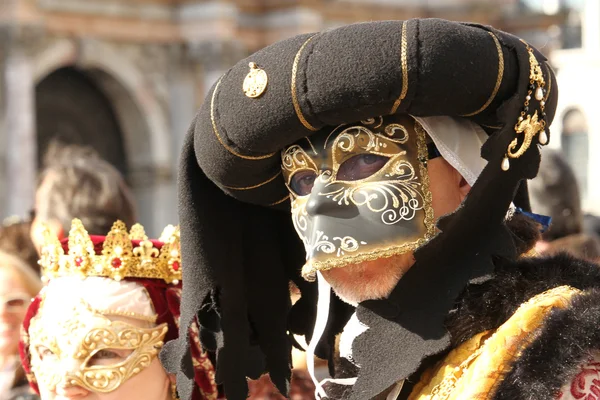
(211, 59)
(154, 191)
(18, 109)
(194, 68)
(590, 15)
(3, 54)
(182, 97)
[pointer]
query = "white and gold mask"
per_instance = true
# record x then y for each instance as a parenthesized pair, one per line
(89, 338)
(360, 191)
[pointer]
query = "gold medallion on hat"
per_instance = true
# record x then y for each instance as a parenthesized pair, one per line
(255, 82)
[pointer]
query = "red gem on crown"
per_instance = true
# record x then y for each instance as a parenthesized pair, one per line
(116, 263)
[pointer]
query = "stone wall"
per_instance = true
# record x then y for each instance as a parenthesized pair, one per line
(155, 60)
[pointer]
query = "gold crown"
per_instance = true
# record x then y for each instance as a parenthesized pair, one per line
(118, 259)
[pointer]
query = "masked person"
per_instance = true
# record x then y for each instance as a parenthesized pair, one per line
(402, 149)
(110, 302)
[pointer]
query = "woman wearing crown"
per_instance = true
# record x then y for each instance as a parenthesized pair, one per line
(109, 304)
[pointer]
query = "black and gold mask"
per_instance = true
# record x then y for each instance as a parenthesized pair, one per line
(360, 191)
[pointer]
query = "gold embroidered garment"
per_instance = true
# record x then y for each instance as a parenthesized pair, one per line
(475, 369)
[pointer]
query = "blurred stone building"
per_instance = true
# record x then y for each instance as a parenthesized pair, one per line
(126, 76)
(577, 124)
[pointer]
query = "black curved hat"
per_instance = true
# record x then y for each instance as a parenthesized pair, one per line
(236, 229)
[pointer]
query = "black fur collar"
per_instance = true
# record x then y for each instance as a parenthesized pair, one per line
(489, 304)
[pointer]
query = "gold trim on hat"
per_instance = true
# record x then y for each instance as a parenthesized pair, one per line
(491, 126)
(297, 108)
(216, 131)
(498, 79)
(549, 82)
(280, 201)
(271, 179)
(404, 59)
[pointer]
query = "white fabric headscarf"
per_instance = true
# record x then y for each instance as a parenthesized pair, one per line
(459, 141)
(100, 293)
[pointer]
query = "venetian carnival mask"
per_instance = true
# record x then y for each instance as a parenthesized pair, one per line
(360, 191)
(70, 347)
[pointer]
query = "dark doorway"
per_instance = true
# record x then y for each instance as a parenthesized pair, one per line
(70, 108)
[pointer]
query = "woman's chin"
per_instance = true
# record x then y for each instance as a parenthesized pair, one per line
(9, 339)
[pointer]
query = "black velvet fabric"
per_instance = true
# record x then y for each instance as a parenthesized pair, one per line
(243, 257)
(345, 75)
(240, 257)
(241, 302)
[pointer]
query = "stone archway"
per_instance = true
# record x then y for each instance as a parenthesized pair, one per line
(143, 121)
(72, 109)
(139, 112)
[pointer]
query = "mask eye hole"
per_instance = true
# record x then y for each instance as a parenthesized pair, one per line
(361, 166)
(45, 354)
(108, 357)
(302, 182)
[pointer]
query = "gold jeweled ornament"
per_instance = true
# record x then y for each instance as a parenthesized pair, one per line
(77, 335)
(119, 258)
(255, 82)
(529, 125)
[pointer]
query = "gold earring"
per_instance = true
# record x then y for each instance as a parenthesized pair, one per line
(174, 391)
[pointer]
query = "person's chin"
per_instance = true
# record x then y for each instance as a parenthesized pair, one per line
(368, 280)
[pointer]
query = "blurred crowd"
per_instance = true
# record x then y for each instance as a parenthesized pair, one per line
(74, 182)
(555, 193)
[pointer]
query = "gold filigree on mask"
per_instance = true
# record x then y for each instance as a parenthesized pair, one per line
(395, 190)
(359, 139)
(396, 199)
(73, 339)
(398, 192)
(318, 241)
(295, 159)
(338, 246)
